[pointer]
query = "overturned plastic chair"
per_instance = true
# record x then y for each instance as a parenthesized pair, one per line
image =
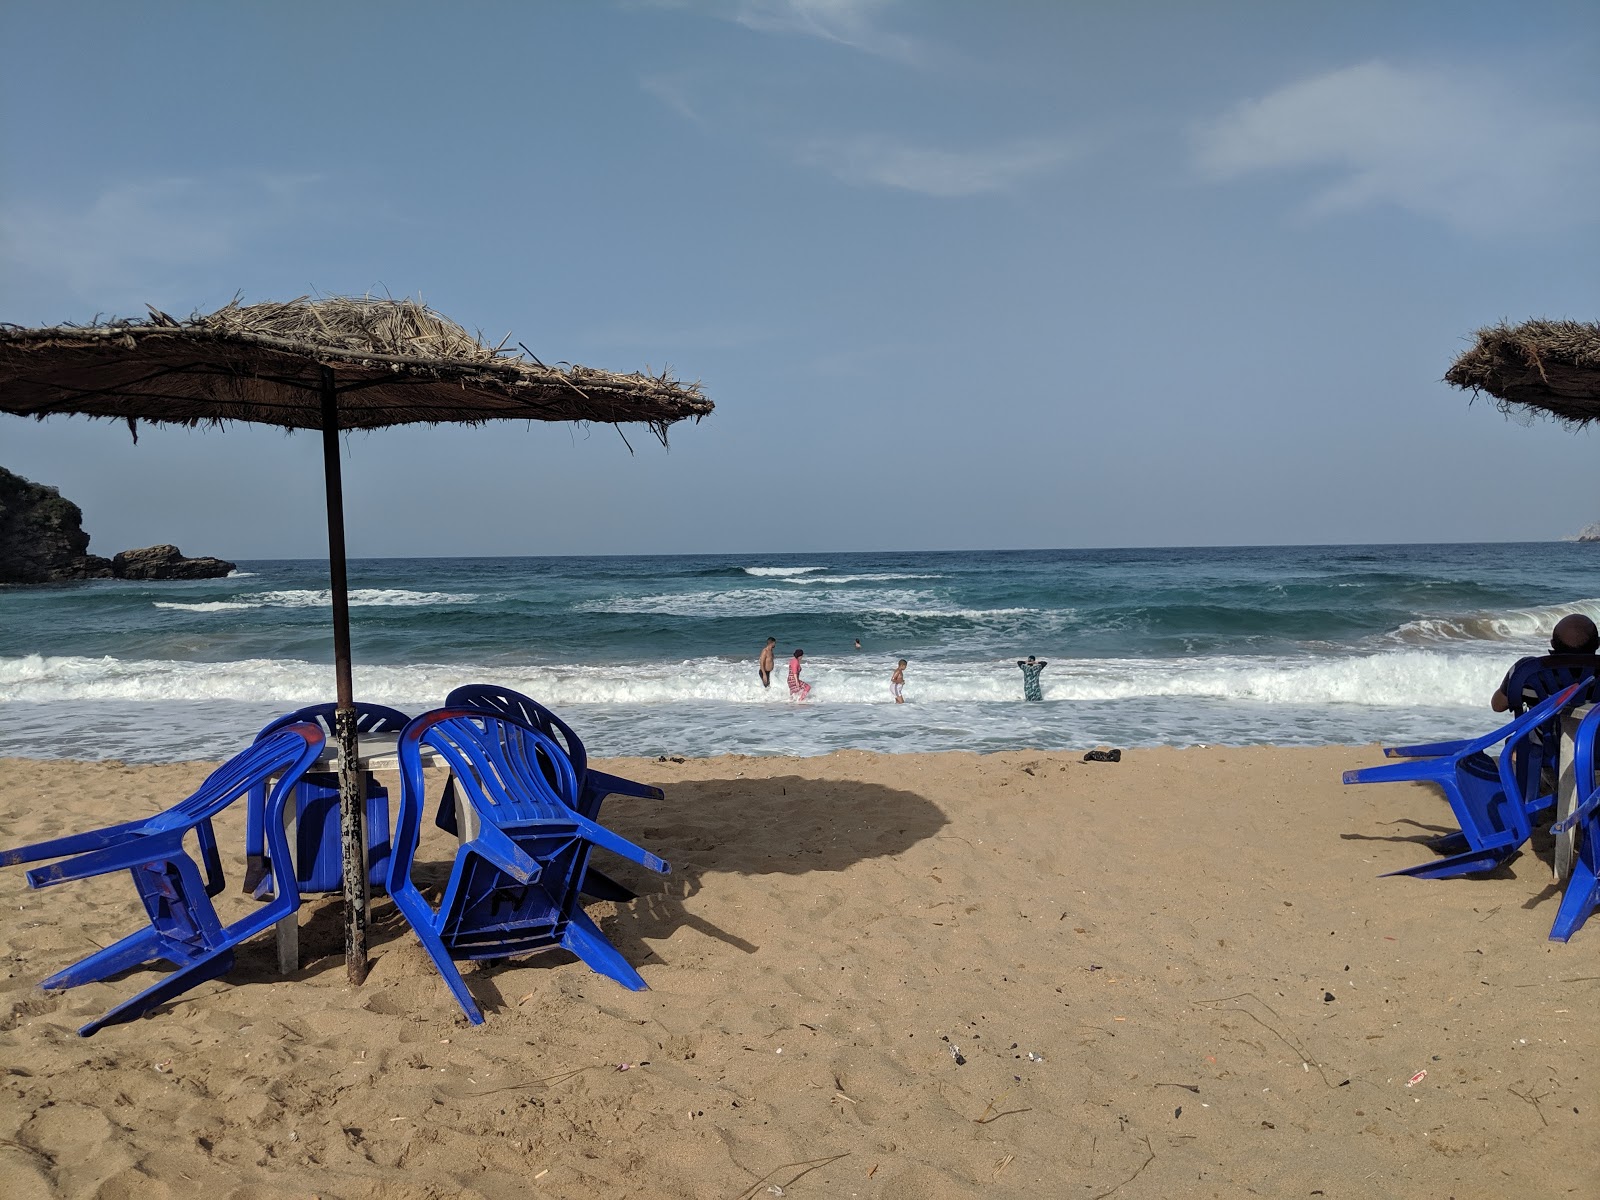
(1582, 896)
(515, 882)
(318, 848)
(184, 929)
(1491, 803)
(593, 786)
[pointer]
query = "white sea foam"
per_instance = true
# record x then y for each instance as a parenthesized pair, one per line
(1392, 679)
(781, 572)
(314, 598)
(210, 605)
(236, 574)
(826, 580)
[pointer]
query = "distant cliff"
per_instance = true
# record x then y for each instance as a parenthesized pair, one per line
(42, 541)
(41, 535)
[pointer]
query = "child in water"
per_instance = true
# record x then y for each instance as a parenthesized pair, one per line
(897, 683)
(798, 690)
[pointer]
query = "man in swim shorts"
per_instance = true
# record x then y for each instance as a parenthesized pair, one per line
(765, 665)
(897, 683)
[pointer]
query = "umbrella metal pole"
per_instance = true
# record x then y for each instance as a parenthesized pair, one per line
(352, 790)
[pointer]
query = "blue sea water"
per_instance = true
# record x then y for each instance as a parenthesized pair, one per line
(656, 655)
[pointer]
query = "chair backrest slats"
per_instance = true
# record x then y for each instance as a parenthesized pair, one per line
(493, 698)
(272, 754)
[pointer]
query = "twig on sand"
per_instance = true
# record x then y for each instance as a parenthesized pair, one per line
(1188, 1087)
(984, 1118)
(547, 1081)
(1135, 1175)
(1305, 1055)
(810, 1165)
(1532, 1097)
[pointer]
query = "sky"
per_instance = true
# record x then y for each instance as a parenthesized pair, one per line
(956, 275)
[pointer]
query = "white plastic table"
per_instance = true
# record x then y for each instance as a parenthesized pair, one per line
(1567, 791)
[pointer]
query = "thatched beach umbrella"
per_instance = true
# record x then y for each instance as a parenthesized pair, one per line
(329, 365)
(1539, 366)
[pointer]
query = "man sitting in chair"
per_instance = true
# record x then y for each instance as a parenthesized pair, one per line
(1573, 646)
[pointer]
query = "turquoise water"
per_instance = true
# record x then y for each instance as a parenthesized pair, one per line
(656, 655)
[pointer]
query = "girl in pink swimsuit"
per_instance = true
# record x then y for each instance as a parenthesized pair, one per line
(798, 689)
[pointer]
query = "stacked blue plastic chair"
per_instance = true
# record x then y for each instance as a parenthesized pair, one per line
(184, 929)
(593, 786)
(514, 886)
(318, 846)
(1582, 896)
(1490, 802)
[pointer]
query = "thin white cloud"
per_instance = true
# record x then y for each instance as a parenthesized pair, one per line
(142, 234)
(877, 161)
(1456, 147)
(851, 23)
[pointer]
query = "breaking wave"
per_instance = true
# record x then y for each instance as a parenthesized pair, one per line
(312, 598)
(1512, 625)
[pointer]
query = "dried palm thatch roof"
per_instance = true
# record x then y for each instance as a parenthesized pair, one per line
(1546, 366)
(391, 361)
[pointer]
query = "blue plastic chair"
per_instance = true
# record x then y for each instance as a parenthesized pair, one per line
(515, 881)
(184, 929)
(593, 786)
(1582, 896)
(319, 853)
(1491, 804)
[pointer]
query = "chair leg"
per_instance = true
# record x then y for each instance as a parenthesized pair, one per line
(1470, 862)
(583, 938)
(138, 947)
(1581, 899)
(170, 986)
(420, 918)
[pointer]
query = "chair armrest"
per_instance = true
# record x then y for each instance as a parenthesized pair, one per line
(601, 785)
(494, 845)
(122, 857)
(76, 843)
(1413, 770)
(1427, 749)
(617, 844)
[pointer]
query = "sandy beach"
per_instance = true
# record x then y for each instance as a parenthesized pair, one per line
(1177, 975)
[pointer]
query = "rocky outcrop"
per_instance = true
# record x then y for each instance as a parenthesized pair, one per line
(42, 541)
(166, 562)
(41, 535)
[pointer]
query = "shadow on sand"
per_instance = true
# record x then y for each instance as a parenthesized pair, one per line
(787, 825)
